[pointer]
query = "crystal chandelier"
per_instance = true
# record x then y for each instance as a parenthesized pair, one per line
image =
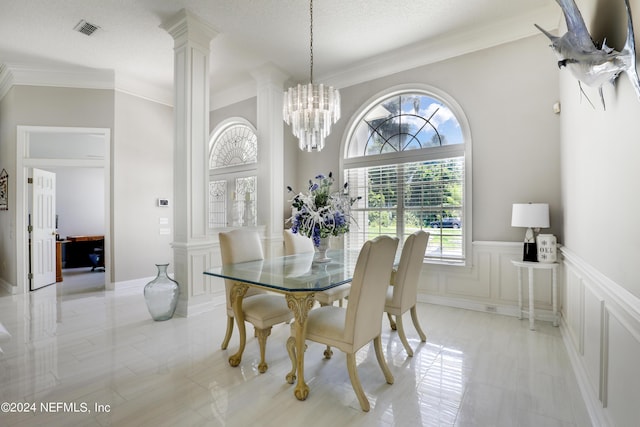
(312, 108)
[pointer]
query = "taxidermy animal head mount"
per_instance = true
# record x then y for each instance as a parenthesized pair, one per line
(591, 64)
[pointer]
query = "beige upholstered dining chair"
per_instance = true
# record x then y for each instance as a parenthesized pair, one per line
(351, 328)
(402, 295)
(297, 244)
(263, 310)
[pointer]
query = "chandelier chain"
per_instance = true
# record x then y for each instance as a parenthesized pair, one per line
(311, 41)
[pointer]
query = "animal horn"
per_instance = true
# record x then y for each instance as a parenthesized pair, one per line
(547, 33)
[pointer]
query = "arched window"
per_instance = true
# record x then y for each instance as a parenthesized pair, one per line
(233, 164)
(407, 155)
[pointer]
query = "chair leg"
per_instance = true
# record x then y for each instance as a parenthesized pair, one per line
(391, 322)
(227, 336)
(416, 324)
(355, 382)
(377, 344)
(327, 351)
(262, 335)
(403, 337)
(291, 349)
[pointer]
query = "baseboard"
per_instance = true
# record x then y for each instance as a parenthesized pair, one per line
(8, 287)
(487, 307)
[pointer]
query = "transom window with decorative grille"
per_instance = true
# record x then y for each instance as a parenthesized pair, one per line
(233, 163)
(407, 155)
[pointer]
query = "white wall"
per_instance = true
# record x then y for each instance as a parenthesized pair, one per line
(142, 172)
(80, 201)
(600, 154)
(600, 169)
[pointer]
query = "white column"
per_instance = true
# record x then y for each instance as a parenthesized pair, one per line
(271, 189)
(191, 250)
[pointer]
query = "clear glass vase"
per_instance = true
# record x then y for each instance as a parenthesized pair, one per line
(161, 295)
(321, 250)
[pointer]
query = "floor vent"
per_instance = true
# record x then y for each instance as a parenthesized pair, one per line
(86, 28)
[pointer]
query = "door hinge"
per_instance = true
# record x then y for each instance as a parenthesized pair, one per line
(29, 180)
(29, 228)
(30, 276)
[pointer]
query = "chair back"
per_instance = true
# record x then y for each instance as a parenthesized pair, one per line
(296, 243)
(405, 291)
(368, 290)
(240, 246)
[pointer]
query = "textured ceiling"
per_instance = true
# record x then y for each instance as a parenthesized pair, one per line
(349, 35)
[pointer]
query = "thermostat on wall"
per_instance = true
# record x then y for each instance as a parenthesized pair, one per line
(163, 203)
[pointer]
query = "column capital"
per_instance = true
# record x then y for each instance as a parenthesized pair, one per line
(184, 25)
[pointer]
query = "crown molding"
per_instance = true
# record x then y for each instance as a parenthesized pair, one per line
(420, 54)
(448, 46)
(6, 80)
(29, 75)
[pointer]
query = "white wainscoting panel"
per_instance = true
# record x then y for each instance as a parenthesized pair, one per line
(622, 380)
(591, 337)
(490, 284)
(601, 329)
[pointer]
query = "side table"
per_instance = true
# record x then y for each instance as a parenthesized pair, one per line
(531, 266)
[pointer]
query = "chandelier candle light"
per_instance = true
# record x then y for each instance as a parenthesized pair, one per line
(311, 108)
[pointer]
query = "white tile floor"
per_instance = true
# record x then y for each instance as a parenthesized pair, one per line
(101, 349)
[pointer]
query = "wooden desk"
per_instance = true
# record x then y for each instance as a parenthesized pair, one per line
(78, 249)
(59, 259)
(84, 238)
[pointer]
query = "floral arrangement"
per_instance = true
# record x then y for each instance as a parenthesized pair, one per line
(320, 213)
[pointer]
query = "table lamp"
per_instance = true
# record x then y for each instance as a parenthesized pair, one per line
(532, 216)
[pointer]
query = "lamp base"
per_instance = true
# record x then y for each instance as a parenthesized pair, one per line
(530, 252)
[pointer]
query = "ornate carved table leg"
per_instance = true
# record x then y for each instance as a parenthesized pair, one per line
(299, 304)
(291, 349)
(238, 291)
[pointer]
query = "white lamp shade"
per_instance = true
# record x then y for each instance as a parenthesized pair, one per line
(531, 215)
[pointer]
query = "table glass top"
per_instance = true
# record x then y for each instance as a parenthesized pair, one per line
(293, 273)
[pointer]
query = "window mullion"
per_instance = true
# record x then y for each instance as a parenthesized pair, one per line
(400, 226)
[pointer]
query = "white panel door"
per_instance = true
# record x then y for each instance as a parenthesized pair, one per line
(43, 235)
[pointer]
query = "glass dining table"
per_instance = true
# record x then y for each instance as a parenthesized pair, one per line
(298, 277)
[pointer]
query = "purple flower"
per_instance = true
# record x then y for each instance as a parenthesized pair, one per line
(321, 213)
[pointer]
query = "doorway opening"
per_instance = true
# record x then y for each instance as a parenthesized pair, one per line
(80, 156)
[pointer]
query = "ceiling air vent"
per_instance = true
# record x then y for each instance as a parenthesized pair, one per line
(85, 27)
